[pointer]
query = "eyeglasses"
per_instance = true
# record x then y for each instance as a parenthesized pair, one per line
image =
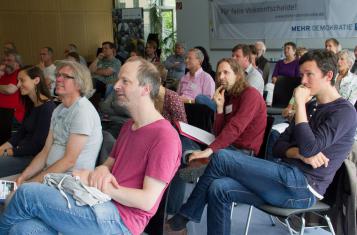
(63, 75)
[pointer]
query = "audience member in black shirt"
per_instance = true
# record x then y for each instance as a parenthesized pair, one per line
(18, 152)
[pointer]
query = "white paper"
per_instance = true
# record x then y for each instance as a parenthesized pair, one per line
(197, 133)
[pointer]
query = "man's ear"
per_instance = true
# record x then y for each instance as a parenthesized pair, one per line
(146, 90)
(329, 75)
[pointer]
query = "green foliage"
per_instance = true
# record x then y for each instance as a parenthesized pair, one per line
(162, 24)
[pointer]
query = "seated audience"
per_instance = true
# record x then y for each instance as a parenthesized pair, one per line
(48, 67)
(9, 95)
(253, 57)
(333, 45)
(75, 134)
(206, 65)
(196, 81)
(288, 67)
(105, 69)
(261, 61)
(241, 53)
(17, 153)
(239, 125)
(312, 149)
(150, 52)
(175, 64)
(135, 175)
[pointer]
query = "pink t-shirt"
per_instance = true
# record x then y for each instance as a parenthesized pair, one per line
(153, 150)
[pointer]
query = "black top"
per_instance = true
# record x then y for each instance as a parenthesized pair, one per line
(31, 137)
(330, 130)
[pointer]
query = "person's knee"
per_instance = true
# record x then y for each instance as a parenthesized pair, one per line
(217, 190)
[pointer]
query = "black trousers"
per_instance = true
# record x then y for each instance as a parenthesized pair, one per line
(6, 117)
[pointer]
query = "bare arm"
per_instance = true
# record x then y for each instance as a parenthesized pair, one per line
(75, 144)
(8, 89)
(143, 199)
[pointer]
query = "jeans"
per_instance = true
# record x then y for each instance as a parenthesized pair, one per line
(233, 176)
(40, 209)
(202, 99)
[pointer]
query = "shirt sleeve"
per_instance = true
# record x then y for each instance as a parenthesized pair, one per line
(208, 86)
(176, 107)
(276, 69)
(310, 142)
(83, 120)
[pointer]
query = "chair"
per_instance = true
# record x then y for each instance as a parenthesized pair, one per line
(321, 208)
(283, 91)
(199, 115)
(156, 223)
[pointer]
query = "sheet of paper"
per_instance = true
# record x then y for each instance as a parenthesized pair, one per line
(197, 133)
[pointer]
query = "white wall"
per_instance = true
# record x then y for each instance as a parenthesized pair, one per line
(193, 29)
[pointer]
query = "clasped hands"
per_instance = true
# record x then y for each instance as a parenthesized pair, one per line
(100, 178)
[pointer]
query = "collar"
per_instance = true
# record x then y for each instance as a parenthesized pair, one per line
(249, 69)
(200, 70)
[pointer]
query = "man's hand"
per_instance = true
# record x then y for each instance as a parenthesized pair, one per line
(100, 56)
(302, 95)
(20, 180)
(99, 177)
(200, 154)
(109, 185)
(316, 161)
(218, 98)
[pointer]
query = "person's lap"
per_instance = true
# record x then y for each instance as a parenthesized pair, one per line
(45, 203)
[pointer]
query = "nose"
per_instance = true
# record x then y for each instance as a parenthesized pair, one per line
(18, 84)
(303, 79)
(117, 85)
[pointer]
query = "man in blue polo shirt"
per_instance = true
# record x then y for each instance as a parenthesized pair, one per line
(312, 149)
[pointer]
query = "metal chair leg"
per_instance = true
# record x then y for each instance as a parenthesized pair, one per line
(272, 220)
(302, 229)
(288, 225)
(248, 220)
(328, 220)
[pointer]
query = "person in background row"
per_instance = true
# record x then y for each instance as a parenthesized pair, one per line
(150, 52)
(241, 53)
(300, 51)
(206, 64)
(196, 81)
(105, 69)
(175, 64)
(9, 95)
(261, 61)
(48, 67)
(73, 56)
(333, 45)
(17, 152)
(289, 66)
(253, 57)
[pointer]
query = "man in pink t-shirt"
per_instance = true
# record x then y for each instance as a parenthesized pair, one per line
(143, 161)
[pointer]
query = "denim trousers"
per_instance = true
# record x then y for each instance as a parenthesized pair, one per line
(233, 176)
(40, 209)
(202, 99)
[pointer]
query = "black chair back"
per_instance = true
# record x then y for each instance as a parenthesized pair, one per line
(199, 115)
(283, 91)
(262, 150)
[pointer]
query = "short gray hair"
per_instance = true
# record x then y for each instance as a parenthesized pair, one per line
(261, 44)
(17, 56)
(147, 74)
(81, 74)
(198, 53)
(350, 56)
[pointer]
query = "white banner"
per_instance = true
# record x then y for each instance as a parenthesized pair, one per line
(279, 19)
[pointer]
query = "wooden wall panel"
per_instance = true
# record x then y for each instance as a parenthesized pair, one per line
(99, 26)
(33, 24)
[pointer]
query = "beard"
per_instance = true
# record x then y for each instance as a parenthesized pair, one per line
(9, 69)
